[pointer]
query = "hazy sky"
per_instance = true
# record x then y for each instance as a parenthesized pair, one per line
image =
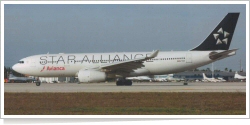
(39, 29)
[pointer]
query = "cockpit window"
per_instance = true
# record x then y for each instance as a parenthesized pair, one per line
(21, 62)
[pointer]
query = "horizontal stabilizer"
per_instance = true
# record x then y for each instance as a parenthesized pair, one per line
(219, 55)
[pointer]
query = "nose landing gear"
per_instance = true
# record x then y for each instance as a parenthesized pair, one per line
(38, 83)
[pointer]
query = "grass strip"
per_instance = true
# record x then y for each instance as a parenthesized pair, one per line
(125, 103)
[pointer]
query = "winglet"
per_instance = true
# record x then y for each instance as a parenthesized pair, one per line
(154, 54)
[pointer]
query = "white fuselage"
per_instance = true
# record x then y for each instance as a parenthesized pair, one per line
(56, 65)
(237, 76)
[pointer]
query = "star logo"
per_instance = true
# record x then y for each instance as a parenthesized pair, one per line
(218, 37)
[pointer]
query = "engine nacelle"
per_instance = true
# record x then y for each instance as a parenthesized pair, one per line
(91, 76)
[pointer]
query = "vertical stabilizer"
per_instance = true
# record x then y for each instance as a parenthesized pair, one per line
(204, 76)
(220, 38)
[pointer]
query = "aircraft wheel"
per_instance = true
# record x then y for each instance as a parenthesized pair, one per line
(128, 83)
(124, 83)
(38, 83)
(185, 83)
(119, 83)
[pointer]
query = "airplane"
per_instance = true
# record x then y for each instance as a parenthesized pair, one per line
(97, 67)
(13, 79)
(238, 76)
(221, 79)
(160, 78)
(165, 78)
(206, 79)
(140, 78)
(172, 79)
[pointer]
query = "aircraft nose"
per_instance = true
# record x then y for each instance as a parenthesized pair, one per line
(16, 68)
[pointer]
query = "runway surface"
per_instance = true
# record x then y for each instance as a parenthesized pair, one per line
(136, 87)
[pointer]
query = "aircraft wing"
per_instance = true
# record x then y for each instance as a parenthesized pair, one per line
(128, 65)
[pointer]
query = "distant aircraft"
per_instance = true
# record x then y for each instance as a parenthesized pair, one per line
(221, 79)
(166, 78)
(13, 79)
(238, 76)
(140, 78)
(160, 78)
(97, 67)
(206, 79)
(172, 79)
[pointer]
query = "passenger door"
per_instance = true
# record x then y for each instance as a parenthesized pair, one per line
(188, 58)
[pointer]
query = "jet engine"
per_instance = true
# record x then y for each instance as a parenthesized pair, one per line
(91, 76)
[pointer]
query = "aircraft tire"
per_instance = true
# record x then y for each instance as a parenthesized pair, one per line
(185, 83)
(124, 83)
(119, 83)
(128, 83)
(38, 83)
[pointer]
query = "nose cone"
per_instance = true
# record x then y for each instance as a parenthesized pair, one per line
(16, 68)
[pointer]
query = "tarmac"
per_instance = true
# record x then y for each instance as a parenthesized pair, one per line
(136, 87)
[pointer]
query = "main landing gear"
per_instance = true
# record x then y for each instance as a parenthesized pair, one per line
(123, 82)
